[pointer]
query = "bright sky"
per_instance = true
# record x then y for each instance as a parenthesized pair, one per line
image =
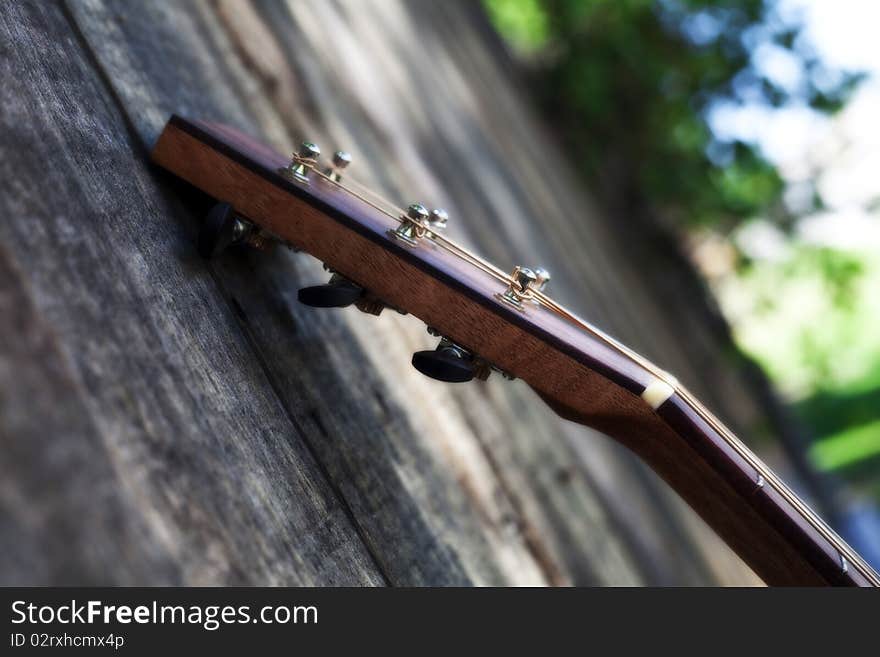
(844, 31)
(845, 150)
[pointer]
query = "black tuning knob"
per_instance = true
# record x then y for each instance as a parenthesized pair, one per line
(448, 362)
(221, 229)
(335, 294)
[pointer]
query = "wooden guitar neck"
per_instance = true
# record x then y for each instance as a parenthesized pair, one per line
(775, 532)
(384, 256)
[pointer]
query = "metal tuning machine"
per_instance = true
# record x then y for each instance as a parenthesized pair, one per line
(452, 363)
(449, 362)
(341, 160)
(223, 227)
(417, 223)
(340, 292)
(523, 284)
(301, 163)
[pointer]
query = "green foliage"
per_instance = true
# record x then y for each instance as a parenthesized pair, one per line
(809, 316)
(850, 447)
(795, 316)
(629, 84)
(523, 23)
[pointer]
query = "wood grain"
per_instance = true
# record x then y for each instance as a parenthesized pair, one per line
(456, 503)
(482, 485)
(193, 471)
(575, 370)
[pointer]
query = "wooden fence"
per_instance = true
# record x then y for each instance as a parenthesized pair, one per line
(164, 420)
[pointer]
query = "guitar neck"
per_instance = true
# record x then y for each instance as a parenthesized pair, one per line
(504, 323)
(769, 526)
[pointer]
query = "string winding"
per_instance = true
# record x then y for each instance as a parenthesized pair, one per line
(393, 211)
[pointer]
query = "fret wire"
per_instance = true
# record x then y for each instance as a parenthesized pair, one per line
(738, 446)
(741, 449)
(806, 512)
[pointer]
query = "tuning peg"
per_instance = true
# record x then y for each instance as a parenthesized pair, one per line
(525, 278)
(220, 230)
(303, 161)
(340, 161)
(438, 219)
(338, 293)
(542, 277)
(413, 224)
(448, 362)
(523, 283)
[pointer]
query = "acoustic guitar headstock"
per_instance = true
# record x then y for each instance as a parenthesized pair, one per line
(380, 255)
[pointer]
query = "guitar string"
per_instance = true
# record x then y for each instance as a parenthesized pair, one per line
(500, 275)
(843, 549)
(731, 439)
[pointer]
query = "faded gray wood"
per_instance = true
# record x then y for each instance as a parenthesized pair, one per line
(156, 451)
(206, 427)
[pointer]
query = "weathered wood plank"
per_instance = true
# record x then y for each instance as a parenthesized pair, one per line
(405, 480)
(396, 369)
(301, 64)
(60, 488)
(443, 123)
(418, 520)
(132, 406)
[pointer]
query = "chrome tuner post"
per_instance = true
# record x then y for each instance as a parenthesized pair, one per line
(302, 162)
(223, 228)
(417, 223)
(543, 277)
(523, 284)
(340, 161)
(413, 224)
(437, 220)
